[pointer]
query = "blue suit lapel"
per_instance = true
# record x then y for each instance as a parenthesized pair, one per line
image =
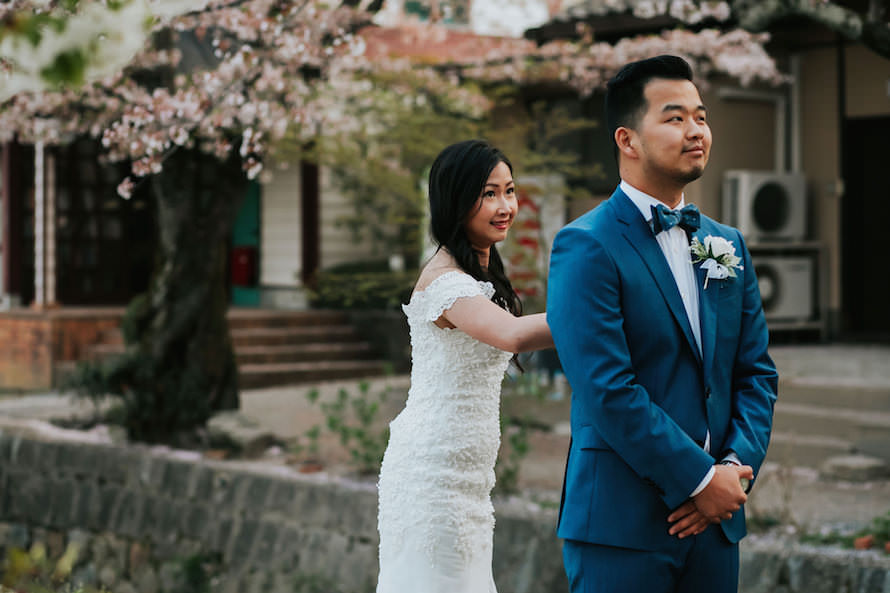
(640, 236)
(707, 311)
(707, 299)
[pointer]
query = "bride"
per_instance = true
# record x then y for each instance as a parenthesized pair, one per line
(436, 520)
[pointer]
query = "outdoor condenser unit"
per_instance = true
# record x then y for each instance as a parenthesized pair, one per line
(765, 205)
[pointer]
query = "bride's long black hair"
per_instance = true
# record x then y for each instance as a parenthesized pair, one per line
(457, 179)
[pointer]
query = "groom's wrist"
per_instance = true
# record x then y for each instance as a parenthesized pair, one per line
(745, 483)
(703, 484)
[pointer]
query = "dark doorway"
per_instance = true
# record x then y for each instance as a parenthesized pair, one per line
(104, 243)
(311, 215)
(865, 273)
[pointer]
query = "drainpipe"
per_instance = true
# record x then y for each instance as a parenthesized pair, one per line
(794, 131)
(5, 195)
(50, 230)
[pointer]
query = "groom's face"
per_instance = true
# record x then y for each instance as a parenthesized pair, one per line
(673, 133)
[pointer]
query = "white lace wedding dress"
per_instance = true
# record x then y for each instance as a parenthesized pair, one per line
(436, 521)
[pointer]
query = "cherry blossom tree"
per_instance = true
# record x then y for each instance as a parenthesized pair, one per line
(281, 75)
(51, 43)
(195, 135)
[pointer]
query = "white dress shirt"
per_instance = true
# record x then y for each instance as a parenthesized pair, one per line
(674, 245)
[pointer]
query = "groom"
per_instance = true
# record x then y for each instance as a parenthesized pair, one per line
(665, 346)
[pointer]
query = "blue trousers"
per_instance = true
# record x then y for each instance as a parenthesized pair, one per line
(704, 563)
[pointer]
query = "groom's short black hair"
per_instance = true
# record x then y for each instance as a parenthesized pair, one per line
(625, 98)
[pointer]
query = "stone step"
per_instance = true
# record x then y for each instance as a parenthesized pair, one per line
(788, 449)
(113, 336)
(104, 350)
(304, 352)
(859, 430)
(258, 318)
(841, 422)
(252, 376)
(836, 396)
(803, 434)
(275, 347)
(280, 336)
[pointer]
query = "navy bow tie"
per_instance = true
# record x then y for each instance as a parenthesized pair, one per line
(687, 218)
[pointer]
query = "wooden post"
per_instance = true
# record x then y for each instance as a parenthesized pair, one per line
(39, 225)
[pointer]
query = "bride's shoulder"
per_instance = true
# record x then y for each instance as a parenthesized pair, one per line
(436, 276)
(440, 266)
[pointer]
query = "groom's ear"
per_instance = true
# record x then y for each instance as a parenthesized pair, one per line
(625, 140)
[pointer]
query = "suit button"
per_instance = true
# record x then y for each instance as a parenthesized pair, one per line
(707, 393)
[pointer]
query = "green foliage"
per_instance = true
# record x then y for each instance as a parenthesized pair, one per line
(517, 447)
(544, 138)
(879, 529)
(353, 418)
(758, 523)
(33, 571)
(68, 67)
(157, 402)
(515, 444)
(362, 285)
(381, 165)
(828, 538)
(196, 573)
(145, 407)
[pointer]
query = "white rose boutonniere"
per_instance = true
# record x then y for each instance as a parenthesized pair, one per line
(718, 257)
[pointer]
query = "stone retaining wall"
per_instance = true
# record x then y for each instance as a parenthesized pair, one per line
(137, 514)
(142, 519)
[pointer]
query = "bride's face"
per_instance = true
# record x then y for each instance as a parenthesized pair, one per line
(494, 211)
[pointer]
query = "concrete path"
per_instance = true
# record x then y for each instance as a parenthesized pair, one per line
(834, 400)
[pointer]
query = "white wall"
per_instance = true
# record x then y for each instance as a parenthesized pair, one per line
(338, 245)
(280, 247)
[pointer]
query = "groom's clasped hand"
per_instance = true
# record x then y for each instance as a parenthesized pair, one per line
(722, 497)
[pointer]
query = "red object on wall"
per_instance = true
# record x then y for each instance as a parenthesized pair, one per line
(244, 268)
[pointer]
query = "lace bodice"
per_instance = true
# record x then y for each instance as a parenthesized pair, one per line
(448, 361)
(438, 470)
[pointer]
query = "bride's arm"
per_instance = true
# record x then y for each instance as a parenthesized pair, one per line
(487, 322)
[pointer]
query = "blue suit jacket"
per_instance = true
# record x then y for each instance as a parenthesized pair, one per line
(643, 397)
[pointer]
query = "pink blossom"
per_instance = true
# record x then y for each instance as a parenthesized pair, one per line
(125, 188)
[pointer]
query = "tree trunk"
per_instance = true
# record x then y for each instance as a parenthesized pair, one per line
(180, 364)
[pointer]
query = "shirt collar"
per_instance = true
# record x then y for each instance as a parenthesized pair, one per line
(644, 201)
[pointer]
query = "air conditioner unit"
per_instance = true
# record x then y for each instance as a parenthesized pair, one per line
(786, 287)
(765, 205)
